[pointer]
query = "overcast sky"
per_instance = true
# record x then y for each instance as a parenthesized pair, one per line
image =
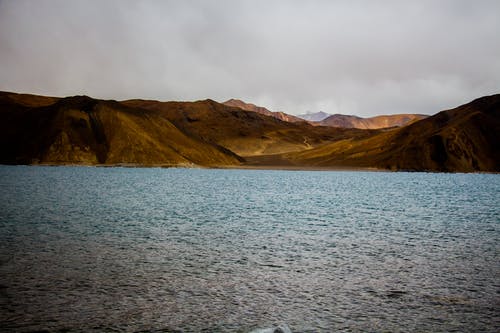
(351, 57)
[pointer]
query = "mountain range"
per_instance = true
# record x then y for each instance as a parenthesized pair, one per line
(83, 130)
(463, 139)
(336, 120)
(395, 120)
(262, 110)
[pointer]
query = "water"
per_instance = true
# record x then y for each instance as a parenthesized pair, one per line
(131, 249)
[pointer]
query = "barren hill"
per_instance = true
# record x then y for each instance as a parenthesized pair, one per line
(463, 139)
(83, 130)
(246, 133)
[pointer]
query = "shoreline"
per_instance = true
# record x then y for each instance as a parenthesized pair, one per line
(247, 167)
(303, 168)
(214, 167)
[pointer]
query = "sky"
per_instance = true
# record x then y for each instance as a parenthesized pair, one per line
(352, 57)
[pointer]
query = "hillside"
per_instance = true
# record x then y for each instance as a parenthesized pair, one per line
(397, 120)
(463, 139)
(245, 133)
(82, 130)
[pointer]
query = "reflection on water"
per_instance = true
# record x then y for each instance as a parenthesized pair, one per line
(102, 249)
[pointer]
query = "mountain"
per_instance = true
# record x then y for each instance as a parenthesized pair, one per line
(262, 110)
(83, 130)
(397, 120)
(463, 139)
(316, 116)
(246, 133)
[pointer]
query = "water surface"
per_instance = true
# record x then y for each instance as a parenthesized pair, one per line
(137, 249)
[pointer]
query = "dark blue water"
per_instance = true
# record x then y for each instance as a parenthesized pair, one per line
(131, 249)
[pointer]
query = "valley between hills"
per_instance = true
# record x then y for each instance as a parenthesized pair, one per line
(81, 130)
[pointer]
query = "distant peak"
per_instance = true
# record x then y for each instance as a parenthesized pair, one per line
(262, 110)
(233, 100)
(239, 103)
(314, 116)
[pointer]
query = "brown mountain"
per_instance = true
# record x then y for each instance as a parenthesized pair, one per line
(463, 139)
(262, 110)
(83, 130)
(396, 120)
(245, 133)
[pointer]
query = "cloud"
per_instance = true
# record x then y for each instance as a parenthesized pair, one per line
(354, 57)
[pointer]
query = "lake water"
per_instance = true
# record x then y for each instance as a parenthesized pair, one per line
(86, 249)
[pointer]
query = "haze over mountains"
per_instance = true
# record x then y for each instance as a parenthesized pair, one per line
(83, 130)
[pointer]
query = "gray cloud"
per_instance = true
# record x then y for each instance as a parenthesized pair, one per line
(353, 57)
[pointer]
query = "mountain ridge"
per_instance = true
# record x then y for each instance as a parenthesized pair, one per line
(262, 110)
(376, 122)
(462, 139)
(333, 120)
(83, 130)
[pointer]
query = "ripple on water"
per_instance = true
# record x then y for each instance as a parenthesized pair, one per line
(101, 249)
